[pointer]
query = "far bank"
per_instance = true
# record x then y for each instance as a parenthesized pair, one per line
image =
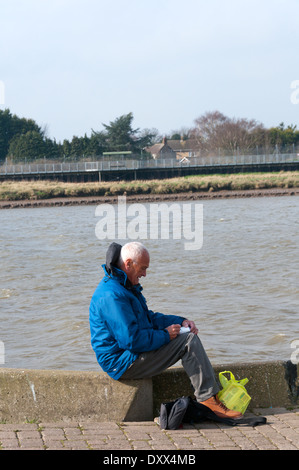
(15, 194)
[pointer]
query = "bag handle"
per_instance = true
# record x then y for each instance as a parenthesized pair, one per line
(224, 380)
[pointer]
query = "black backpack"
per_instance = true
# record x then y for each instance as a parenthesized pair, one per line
(187, 410)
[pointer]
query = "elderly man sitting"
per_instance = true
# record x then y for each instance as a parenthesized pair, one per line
(132, 342)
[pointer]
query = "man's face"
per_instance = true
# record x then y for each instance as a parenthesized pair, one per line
(137, 269)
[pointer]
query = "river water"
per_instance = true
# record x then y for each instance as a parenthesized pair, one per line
(240, 287)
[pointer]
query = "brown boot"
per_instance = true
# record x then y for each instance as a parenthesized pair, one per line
(220, 409)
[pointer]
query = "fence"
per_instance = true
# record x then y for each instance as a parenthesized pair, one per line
(130, 164)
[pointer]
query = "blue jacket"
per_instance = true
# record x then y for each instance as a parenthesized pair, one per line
(122, 326)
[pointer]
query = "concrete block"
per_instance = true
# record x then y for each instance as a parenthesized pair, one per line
(271, 384)
(51, 395)
(57, 395)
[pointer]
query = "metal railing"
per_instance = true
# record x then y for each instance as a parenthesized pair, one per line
(82, 167)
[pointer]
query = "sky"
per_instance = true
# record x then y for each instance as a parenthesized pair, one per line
(72, 65)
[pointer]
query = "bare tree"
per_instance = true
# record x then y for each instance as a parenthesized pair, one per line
(217, 133)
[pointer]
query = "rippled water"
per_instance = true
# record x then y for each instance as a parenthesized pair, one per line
(241, 287)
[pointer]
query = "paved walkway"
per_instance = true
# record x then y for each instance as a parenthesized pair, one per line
(280, 433)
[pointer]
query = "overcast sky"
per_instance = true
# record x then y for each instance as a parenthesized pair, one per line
(74, 64)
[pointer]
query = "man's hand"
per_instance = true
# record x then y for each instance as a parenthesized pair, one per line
(173, 330)
(191, 325)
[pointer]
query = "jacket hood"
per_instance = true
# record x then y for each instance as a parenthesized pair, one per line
(111, 269)
(112, 256)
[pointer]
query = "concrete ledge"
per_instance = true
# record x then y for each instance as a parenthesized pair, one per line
(51, 396)
(271, 384)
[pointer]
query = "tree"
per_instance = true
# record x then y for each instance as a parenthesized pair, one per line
(97, 143)
(5, 132)
(23, 140)
(215, 131)
(12, 126)
(180, 134)
(27, 147)
(53, 150)
(146, 138)
(77, 148)
(282, 136)
(120, 135)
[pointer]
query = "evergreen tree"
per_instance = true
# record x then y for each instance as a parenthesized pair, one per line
(120, 134)
(66, 149)
(283, 136)
(97, 143)
(12, 126)
(27, 147)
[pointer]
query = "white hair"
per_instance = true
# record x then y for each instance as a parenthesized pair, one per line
(131, 250)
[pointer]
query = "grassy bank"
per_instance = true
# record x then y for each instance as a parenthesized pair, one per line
(36, 190)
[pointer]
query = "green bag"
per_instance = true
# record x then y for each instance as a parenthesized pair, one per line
(233, 394)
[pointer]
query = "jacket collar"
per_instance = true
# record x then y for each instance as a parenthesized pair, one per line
(120, 276)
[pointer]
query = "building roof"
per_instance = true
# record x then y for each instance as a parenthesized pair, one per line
(189, 145)
(183, 145)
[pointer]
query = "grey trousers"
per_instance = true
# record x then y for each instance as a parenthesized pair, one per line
(195, 361)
